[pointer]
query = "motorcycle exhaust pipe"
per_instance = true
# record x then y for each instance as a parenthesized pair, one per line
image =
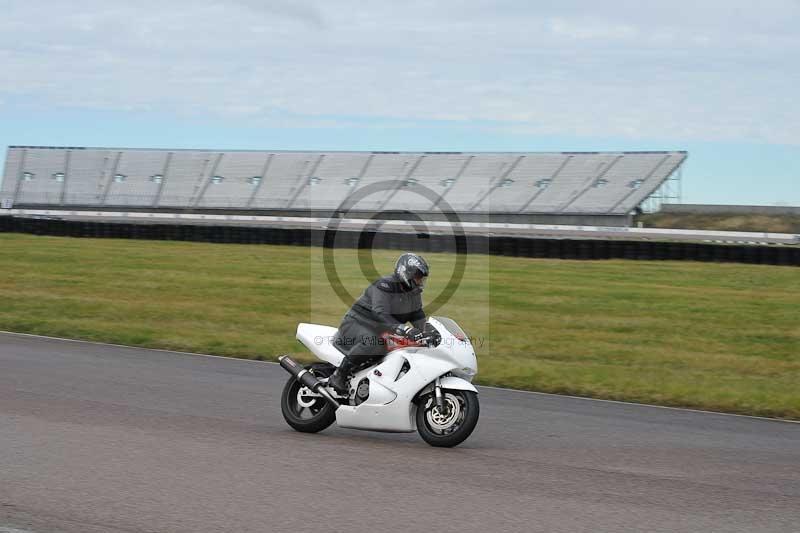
(307, 379)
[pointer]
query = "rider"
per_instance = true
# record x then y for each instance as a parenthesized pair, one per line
(387, 305)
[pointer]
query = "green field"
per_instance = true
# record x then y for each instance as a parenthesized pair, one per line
(714, 336)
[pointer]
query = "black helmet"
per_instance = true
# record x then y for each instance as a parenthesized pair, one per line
(412, 270)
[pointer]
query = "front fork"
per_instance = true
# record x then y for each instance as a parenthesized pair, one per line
(437, 390)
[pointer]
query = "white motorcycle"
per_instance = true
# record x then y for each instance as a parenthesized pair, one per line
(420, 386)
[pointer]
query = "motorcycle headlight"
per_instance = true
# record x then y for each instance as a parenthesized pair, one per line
(469, 372)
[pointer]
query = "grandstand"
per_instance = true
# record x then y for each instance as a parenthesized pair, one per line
(586, 188)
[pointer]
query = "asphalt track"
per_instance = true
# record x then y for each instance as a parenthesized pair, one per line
(98, 438)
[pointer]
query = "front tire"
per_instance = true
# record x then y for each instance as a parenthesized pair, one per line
(307, 414)
(452, 427)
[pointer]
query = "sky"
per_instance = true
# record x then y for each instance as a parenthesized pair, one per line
(717, 78)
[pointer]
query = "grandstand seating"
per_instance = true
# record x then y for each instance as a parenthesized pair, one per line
(185, 175)
(549, 183)
(284, 180)
(524, 183)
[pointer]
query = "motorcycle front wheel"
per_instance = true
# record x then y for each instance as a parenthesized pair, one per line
(451, 426)
(302, 411)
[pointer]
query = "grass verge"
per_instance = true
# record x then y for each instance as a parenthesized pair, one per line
(721, 337)
(723, 222)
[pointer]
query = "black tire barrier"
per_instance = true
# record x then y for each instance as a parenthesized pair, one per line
(581, 249)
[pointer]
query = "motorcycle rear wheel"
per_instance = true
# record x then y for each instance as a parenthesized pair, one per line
(453, 426)
(311, 414)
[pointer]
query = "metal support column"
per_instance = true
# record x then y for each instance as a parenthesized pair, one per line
(590, 184)
(20, 173)
(361, 175)
(305, 183)
(164, 174)
(453, 184)
(552, 178)
(63, 193)
(402, 182)
(498, 181)
(644, 180)
(257, 188)
(110, 179)
(208, 179)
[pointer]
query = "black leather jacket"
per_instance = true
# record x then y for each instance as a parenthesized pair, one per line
(388, 303)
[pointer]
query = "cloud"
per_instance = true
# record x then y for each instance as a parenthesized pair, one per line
(689, 70)
(305, 13)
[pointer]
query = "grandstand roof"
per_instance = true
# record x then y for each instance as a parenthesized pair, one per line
(477, 182)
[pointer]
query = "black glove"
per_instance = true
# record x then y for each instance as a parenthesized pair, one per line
(409, 332)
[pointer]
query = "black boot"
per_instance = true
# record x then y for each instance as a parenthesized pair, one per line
(338, 379)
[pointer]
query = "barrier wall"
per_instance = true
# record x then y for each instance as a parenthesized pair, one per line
(503, 218)
(508, 246)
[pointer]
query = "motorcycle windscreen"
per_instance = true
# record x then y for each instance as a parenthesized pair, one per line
(452, 327)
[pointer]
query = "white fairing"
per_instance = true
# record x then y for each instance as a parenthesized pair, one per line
(452, 383)
(319, 339)
(392, 387)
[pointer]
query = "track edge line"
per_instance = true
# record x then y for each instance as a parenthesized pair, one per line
(621, 402)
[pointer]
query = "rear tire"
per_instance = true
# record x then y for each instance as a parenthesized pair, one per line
(314, 413)
(455, 425)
